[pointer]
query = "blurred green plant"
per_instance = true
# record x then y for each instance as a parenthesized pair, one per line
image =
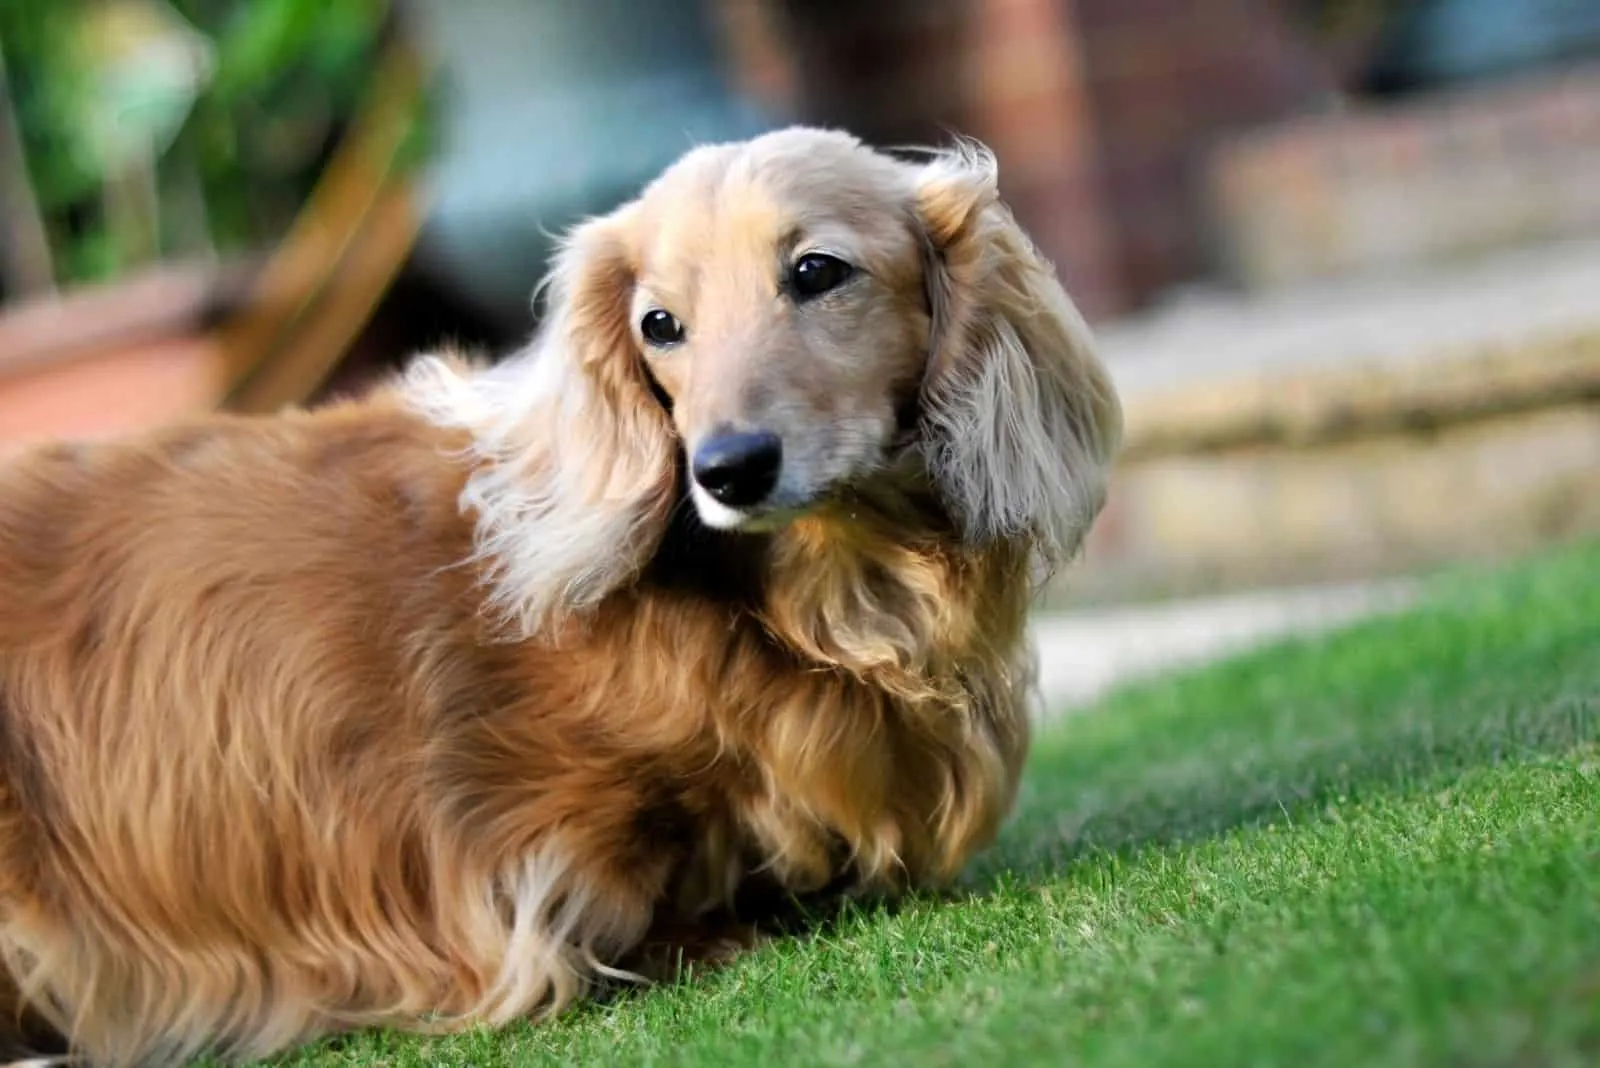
(238, 102)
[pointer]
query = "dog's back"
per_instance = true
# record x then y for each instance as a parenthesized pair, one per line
(185, 618)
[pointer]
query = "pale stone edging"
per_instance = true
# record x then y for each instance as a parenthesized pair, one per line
(1323, 404)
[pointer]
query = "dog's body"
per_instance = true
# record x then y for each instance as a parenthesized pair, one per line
(429, 708)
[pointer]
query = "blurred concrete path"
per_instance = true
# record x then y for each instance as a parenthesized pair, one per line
(1082, 654)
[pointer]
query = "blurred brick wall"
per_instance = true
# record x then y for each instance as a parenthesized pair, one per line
(1099, 110)
(1166, 79)
(1029, 99)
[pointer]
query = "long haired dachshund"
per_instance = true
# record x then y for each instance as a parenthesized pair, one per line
(435, 707)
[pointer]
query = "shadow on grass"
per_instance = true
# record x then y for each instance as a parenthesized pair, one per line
(1498, 671)
(1046, 839)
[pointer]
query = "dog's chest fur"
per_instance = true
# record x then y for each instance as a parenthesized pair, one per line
(714, 750)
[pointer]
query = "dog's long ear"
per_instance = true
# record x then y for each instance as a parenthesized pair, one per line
(576, 458)
(1020, 419)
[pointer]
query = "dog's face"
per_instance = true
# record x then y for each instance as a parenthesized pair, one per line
(779, 300)
(798, 318)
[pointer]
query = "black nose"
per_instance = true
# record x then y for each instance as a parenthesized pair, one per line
(739, 468)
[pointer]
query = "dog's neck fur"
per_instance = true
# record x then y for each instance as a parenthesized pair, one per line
(882, 589)
(717, 565)
(910, 665)
(869, 584)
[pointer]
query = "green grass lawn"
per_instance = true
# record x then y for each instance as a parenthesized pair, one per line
(1377, 848)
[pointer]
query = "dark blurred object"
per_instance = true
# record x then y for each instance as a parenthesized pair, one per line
(1432, 44)
(550, 112)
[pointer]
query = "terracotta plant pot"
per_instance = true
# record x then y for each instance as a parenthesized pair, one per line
(111, 359)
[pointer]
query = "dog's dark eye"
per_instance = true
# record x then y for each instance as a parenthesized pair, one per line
(661, 328)
(816, 272)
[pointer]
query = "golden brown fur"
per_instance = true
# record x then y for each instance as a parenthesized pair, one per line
(430, 708)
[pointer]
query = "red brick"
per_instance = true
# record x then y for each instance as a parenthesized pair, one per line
(1096, 16)
(1065, 216)
(1021, 20)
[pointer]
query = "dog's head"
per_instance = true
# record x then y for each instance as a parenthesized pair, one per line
(796, 316)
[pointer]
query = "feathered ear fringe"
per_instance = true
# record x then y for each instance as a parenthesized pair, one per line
(1021, 421)
(574, 460)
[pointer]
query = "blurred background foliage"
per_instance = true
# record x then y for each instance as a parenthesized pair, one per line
(181, 129)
